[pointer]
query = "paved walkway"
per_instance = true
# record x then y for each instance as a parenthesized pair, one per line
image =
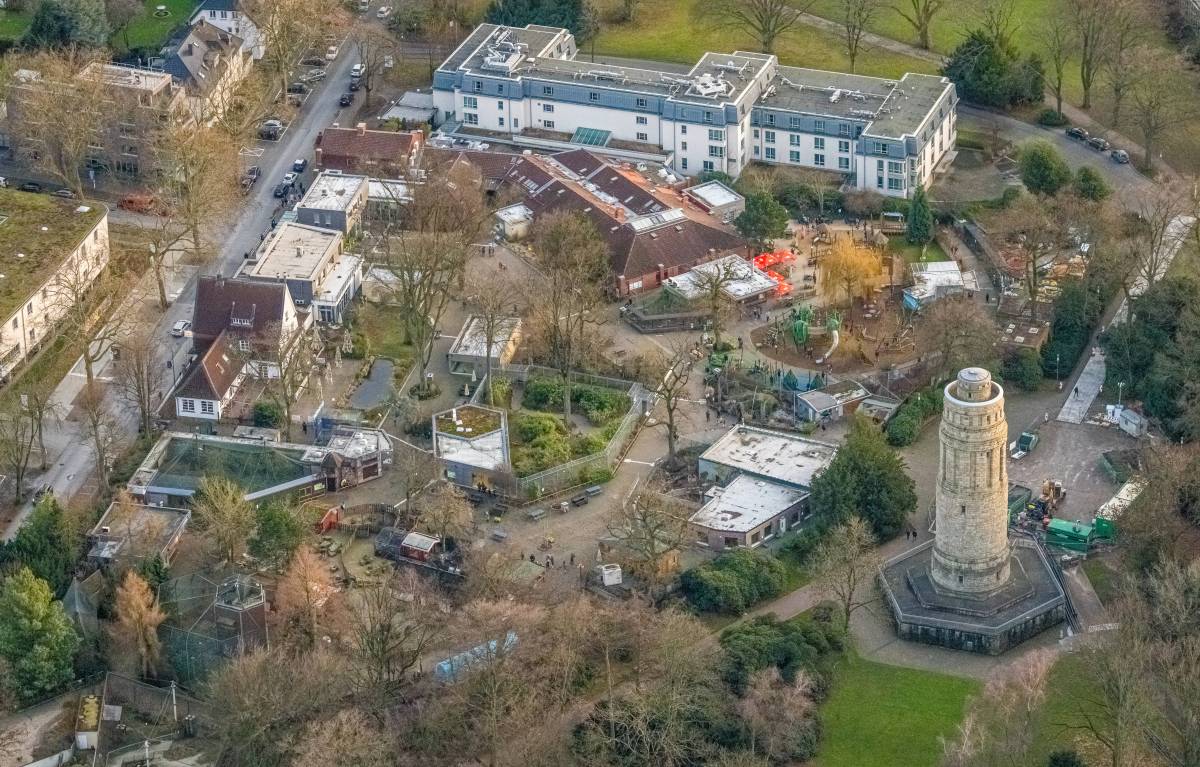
(1087, 388)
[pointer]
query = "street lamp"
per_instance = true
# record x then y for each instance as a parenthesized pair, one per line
(1120, 389)
(1057, 372)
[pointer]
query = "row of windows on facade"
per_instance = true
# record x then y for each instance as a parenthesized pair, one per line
(207, 407)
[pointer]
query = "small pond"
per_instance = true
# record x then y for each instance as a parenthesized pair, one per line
(375, 388)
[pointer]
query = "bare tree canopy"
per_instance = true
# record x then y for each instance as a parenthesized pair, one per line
(764, 20)
(857, 16)
(920, 14)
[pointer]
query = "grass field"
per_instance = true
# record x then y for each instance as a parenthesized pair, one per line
(679, 31)
(881, 716)
(915, 253)
(14, 23)
(150, 31)
(1069, 688)
(1103, 576)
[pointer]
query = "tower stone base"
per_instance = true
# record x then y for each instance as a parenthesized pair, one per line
(1030, 601)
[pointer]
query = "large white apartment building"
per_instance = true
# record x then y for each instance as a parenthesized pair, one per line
(728, 111)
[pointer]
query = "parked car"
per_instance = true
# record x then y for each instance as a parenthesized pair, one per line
(383, 12)
(281, 190)
(30, 186)
(181, 327)
(270, 130)
(1119, 156)
(313, 76)
(1099, 144)
(66, 194)
(357, 70)
(312, 61)
(355, 85)
(299, 165)
(250, 177)
(297, 88)
(331, 53)
(346, 100)
(290, 178)
(1079, 134)
(141, 203)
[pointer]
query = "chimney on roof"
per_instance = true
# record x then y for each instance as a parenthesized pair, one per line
(361, 128)
(299, 252)
(619, 212)
(191, 48)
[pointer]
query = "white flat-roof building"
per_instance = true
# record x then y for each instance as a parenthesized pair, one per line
(310, 261)
(717, 199)
(472, 443)
(937, 279)
(728, 111)
(334, 201)
(515, 221)
(773, 455)
(469, 353)
(745, 282)
(747, 512)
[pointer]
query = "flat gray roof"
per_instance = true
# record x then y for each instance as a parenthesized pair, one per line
(297, 251)
(775, 455)
(908, 105)
(332, 191)
(744, 504)
(472, 340)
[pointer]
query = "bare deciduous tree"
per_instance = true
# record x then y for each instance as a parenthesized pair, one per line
(494, 301)
(1127, 24)
(960, 331)
(417, 469)
(1090, 18)
(997, 19)
(445, 512)
(575, 268)
(283, 358)
(288, 28)
(650, 526)
(1156, 81)
(299, 597)
(59, 105)
(87, 295)
(197, 182)
(777, 712)
(374, 46)
(845, 564)
(347, 739)
(223, 515)
(764, 20)
(920, 14)
(138, 618)
(138, 372)
(100, 427)
(857, 16)
(18, 434)
(1057, 38)
(669, 373)
(712, 282)
(393, 624)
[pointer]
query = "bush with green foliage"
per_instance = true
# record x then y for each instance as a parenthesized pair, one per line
(598, 403)
(866, 479)
(1052, 118)
(733, 582)
(905, 424)
(1043, 169)
(44, 545)
(154, 571)
(763, 219)
(63, 23)
(1090, 185)
(267, 414)
(993, 75)
(1023, 367)
(753, 645)
(919, 225)
(1076, 312)
(575, 15)
(279, 532)
(37, 640)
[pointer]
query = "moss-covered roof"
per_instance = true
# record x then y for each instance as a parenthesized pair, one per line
(37, 231)
(472, 421)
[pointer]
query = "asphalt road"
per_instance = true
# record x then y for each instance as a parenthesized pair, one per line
(73, 464)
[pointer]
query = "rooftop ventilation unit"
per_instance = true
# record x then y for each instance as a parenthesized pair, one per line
(708, 85)
(835, 96)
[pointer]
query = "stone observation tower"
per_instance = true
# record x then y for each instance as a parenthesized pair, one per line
(971, 552)
(973, 587)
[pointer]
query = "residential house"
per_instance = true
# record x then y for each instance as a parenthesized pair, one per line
(334, 201)
(231, 16)
(145, 99)
(728, 111)
(762, 481)
(209, 64)
(239, 328)
(310, 261)
(50, 249)
(378, 153)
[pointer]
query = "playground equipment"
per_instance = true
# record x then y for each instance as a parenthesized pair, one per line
(833, 323)
(801, 317)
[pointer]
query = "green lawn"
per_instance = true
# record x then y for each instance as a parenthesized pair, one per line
(1103, 576)
(1069, 689)
(14, 23)
(150, 31)
(889, 715)
(916, 253)
(379, 331)
(681, 31)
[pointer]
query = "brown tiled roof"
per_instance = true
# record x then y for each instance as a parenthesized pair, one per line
(493, 166)
(213, 374)
(244, 307)
(529, 176)
(368, 145)
(611, 181)
(681, 243)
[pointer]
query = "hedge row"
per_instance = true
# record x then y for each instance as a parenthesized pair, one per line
(905, 426)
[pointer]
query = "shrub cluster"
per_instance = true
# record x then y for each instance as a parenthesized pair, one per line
(734, 582)
(905, 426)
(599, 404)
